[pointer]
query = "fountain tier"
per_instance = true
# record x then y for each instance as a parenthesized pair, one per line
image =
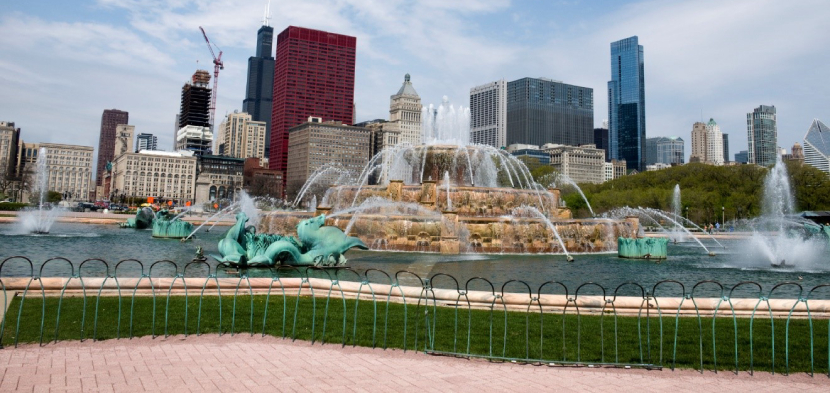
(399, 217)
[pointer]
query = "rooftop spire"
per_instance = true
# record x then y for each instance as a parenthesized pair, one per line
(266, 17)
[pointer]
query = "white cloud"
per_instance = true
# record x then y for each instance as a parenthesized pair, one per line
(721, 57)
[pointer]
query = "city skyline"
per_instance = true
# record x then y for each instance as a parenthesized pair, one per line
(161, 44)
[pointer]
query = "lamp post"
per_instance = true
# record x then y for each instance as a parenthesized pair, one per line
(687, 212)
(723, 216)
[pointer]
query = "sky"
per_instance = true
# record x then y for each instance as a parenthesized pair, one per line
(64, 62)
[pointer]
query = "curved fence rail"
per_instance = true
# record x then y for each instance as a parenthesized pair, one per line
(590, 325)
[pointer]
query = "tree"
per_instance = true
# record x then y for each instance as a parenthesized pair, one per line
(53, 197)
(544, 175)
(261, 186)
(810, 185)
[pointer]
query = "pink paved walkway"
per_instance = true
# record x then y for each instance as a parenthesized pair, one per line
(242, 363)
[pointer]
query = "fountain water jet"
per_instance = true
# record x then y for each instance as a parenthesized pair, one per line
(39, 220)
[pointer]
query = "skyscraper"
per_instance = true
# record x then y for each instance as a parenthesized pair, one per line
(762, 135)
(146, 141)
(313, 76)
(195, 104)
(627, 104)
(817, 146)
(240, 137)
(714, 143)
(725, 148)
(699, 142)
(541, 110)
(194, 132)
(260, 87)
(405, 113)
(106, 140)
(651, 151)
(488, 114)
(601, 140)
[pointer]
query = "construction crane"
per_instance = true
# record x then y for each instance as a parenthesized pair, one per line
(217, 65)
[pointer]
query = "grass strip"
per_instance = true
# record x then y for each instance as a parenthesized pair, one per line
(550, 337)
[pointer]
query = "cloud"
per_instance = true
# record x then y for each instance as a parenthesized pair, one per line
(725, 58)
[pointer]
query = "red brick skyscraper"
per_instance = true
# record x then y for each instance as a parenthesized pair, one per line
(313, 76)
(106, 140)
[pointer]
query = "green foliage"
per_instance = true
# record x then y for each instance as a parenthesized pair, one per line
(706, 190)
(53, 196)
(812, 186)
(12, 206)
(544, 175)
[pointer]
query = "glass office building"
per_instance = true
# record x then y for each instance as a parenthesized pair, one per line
(665, 150)
(626, 104)
(541, 111)
(762, 135)
(817, 146)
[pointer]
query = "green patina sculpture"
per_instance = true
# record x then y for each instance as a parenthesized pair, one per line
(315, 245)
(167, 226)
(143, 219)
(642, 248)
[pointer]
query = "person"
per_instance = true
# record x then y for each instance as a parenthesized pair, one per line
(717, 226)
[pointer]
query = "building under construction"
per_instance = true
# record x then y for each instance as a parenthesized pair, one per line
(195, 110)
(195, 132)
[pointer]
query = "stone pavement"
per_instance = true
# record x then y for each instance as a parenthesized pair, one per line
(243, 363)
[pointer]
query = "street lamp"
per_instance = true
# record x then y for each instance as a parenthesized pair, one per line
(723, 216)
(687, 212)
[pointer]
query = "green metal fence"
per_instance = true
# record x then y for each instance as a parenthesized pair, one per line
(529, 331)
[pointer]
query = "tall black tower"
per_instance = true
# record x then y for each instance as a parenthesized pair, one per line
(259, 91)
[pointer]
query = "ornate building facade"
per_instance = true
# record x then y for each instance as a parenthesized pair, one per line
(405, 114)
(159, 174)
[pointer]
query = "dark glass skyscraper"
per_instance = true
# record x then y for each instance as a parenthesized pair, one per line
(313, 76)
(725, 147)
(260, 87)
(543, 111)
(106, 140)
(601, 140)
(627, 104)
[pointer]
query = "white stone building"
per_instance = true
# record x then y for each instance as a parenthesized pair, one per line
(714, 143)
(158, 174)
(70, 169)
(583, 164)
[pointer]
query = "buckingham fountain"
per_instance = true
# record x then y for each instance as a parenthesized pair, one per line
(450, 196)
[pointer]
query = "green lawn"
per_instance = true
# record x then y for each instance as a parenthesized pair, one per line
(587, 339)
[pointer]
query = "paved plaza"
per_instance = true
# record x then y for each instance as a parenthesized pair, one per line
(243, 363)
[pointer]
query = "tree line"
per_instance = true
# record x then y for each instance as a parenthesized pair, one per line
(708, 192)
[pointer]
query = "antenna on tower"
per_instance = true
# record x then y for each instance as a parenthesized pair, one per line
(266, 18)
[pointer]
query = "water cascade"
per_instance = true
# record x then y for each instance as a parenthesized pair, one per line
(447, 184)
(536, 213)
